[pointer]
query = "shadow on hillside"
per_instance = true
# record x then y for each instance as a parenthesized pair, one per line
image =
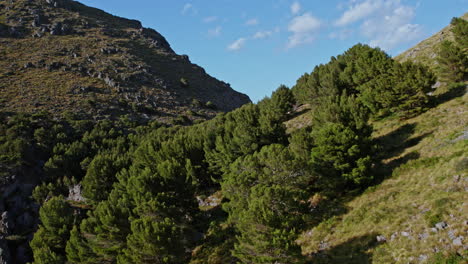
(389, 157)
(385, 170)
(392, 145)
(395, 142)
(353, 251)
(299, 112)
(457, 90)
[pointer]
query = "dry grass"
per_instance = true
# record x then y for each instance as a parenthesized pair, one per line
(425, 52)
(428, 183)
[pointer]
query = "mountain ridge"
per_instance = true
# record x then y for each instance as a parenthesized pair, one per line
(425, 51)
(64, 56)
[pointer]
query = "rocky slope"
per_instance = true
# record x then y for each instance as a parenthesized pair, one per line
(425, 52)
(60, 55)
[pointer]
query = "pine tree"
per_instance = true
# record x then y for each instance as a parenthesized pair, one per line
(108, 226)
(342, 142)
(411, 85)
(49, 241)
(270, 225)
(154, 241)
(273, 112)
(264, 192)
(100, 175)
(271, 165)
(460, 31)
(78, 250)
(453, 62)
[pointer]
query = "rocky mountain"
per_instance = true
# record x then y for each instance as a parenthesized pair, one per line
(62, 56)
(425, 52)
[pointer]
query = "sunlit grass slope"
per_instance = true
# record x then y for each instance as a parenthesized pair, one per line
(424, 182)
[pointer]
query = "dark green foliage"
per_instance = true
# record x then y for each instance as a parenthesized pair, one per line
(153, 241)
(49, 242)
(453, 62)
(237, 135)
(246, 130)
(269, 225)
(108, 227)
(382, 84)
(265, 191)
(100, 175)
(142, 183)
(300, 144)
(453, 56)
(274, 111)
(342, 142)
(217, 245)
(323, 81)
(152, 204)
(77, 249)
(362, 64)
(403, 90)
(45, 190)
(271, 165)
(460, 31)
(412, 83)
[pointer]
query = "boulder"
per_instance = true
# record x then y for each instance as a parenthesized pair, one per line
(381, 239)
(74, 193)
(28, 65)
(56, 28)
(458, 241)
(441, 225)
(5, 224)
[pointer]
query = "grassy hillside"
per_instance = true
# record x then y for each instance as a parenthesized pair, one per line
(425, 182)
(425, 52)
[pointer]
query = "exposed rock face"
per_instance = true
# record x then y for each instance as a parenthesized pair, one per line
(74, 193)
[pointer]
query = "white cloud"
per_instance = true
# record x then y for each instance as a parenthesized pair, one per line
(386, 23)
(237, 45)
(214, 32)
(188, 8)
(394, 29)
(341, 34)
(210, 19)
(262, 34)
(359, 11)
(303, 29)
(251, 22)
(295, 8)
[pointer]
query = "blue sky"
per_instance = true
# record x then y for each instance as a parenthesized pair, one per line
(259, 44)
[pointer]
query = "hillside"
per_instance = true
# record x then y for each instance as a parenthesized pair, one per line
(62, 56)
(362, 161)
(425, 52)
(418, 212)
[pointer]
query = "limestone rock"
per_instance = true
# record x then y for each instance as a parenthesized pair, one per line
(441, 225)
(74, 193)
